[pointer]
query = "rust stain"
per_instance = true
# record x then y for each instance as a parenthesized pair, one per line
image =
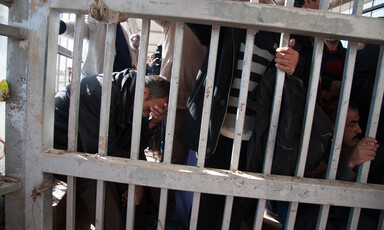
(39, 118)
(101, 143)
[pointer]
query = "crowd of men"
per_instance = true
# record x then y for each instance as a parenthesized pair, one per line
(295, 60)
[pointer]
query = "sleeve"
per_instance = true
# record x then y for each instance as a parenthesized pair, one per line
(343, 171)
(70, 29)
(202, 32)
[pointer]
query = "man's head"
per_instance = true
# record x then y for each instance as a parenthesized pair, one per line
(135, 41)
(310, 4)
(352, 130)
(156, 93)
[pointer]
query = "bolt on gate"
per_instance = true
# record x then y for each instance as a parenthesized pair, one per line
(31, 71)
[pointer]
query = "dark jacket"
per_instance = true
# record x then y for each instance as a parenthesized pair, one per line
(229, 44)
(289, 128)
(227, 57)
(120, 121)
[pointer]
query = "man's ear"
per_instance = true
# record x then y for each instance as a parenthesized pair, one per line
(146, 93)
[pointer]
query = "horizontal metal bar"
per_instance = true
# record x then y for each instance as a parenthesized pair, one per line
(64, 51)
(373, 8)
(214, 181)
(9, 187)
(263, 16)
(13, 31)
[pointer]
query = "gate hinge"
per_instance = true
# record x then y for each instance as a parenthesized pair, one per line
(102, 13)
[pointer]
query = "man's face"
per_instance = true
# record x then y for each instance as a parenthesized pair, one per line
(150, 103)
(352, 129)
(311, 4)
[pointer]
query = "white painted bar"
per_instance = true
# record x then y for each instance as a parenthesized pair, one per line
(71, 203)
(291, 216)
(174, 91)
(213, 181)
(139, 88)
(137, 114)
(342, 110)
(208, 95)
(259, 215)
(171, 117)
(109, 57)
(240, 116)
(13, 32)
(229, 13)
(205, 116)
(75, 84)
(373, 121)
(194, 211)
(74, 116)
(42, 51)
(310, 106)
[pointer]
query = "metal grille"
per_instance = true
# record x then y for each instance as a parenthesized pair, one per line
(40, 160)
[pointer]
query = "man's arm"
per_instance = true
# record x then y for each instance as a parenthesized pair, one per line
(365, 150)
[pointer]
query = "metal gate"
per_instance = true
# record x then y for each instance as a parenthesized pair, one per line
(31, 70)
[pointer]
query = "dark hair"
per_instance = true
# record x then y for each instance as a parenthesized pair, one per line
(158, 86)
(298, 3)
(330, 108)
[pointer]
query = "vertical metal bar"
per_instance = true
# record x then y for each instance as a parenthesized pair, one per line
(74, 116)
(162, 209)
(139, 92)
(130, 207)
(109, 57)
(42, 51)
(373, 120)
(355, 212)
(280, 78)
(259, 215)
(342, 110)
(171, 115)
(75, 84)
(310, 107)
(241, 110)
(374, 113)
(16, 118)
(380, 225)
(206, 116)
(58, 73)
(292, 209)
(208, 95)
(71, 202)
(137, 114)
(341, 113)
(194, 211)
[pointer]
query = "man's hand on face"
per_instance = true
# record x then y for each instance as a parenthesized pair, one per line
(287, 58)
(157, 114)
(365, 150)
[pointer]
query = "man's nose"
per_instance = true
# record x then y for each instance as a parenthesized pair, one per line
(358, 129)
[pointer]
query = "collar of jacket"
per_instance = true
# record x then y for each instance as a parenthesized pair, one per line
(125, 82)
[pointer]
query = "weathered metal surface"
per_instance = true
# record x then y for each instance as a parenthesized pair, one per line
(247, 15)
(214, 181)
(15, 133)
(13, 31)
(64, 52)
(9, 185)
(42, 51)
